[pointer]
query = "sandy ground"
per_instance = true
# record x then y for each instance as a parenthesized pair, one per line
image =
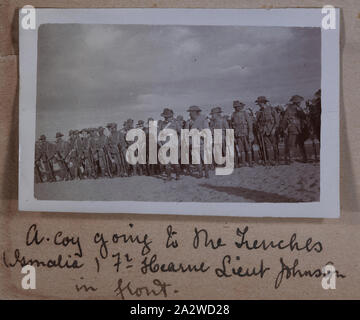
(285, 183)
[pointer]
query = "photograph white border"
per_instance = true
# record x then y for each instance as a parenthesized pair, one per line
(329, 204)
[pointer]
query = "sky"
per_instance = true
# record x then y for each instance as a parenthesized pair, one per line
(89, 75)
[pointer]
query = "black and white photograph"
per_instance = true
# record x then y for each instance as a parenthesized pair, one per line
(180, 113)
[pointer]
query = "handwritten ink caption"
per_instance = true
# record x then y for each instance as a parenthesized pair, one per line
(138, 267)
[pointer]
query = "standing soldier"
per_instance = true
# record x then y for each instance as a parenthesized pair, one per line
(101, 153)
(116, 146)
(279, 133)
(267, 126)
(62, 150)
(254, 144)
(44, 154)
(243, 131)
(93, 151)
(151, 169)
(74, 156)
(314, 110)
(293, 128)
(84, 153)
(170, 122)
(140, 168)
(198, 121)
(128, 125)
(219, 122)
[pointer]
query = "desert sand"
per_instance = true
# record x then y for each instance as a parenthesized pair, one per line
(298, 182)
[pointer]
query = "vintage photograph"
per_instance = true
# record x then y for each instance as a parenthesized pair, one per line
(172, 111)
(97, 82)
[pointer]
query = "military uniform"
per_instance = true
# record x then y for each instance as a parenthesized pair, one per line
(315, 114)
(116, 147)
(314, 119)
(93, 152)
(62, 149)
(170, 122)
(198, 121)
(44, 154)
(218, 121)
(128, 125)
(83, 146)
(74, 157)
(292, 124)
(100, 147)
(243, 132)
(43, 167)
(266, 123)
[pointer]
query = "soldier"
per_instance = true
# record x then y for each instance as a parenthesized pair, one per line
(243, 131)
(151, 169)
(219, 122)
(140, 168)
(84, 153)
(314, 119)
(93, 152)
(254, 145)
(103, 165)
(43, 155)
(62, 150)
(198, 121)
(266, 123)
(170, 122)
(129, 124)
(293, 127)
(74, 155)
(278, 115)
(116, 148)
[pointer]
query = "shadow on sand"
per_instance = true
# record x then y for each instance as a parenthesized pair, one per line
(250, 194)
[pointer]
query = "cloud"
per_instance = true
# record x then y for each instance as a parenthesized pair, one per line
(90, 74)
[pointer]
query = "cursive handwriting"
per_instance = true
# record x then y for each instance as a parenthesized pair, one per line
(292, 271)
(152, 266)
(292, 244)
(226, 271)
(159, 289)
(60, 262)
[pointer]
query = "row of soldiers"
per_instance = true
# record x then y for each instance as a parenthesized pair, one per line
(89, 153)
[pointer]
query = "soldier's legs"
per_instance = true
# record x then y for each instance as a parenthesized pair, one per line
(301, 143)
(48, 172)
(102, 165)
(247, 150)
(203, 166)
(239, 151)
(269, 149)
(236, 154)
(275, 143)
(73, 168)
(291, 146)
(88, 166)
(119, 169)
